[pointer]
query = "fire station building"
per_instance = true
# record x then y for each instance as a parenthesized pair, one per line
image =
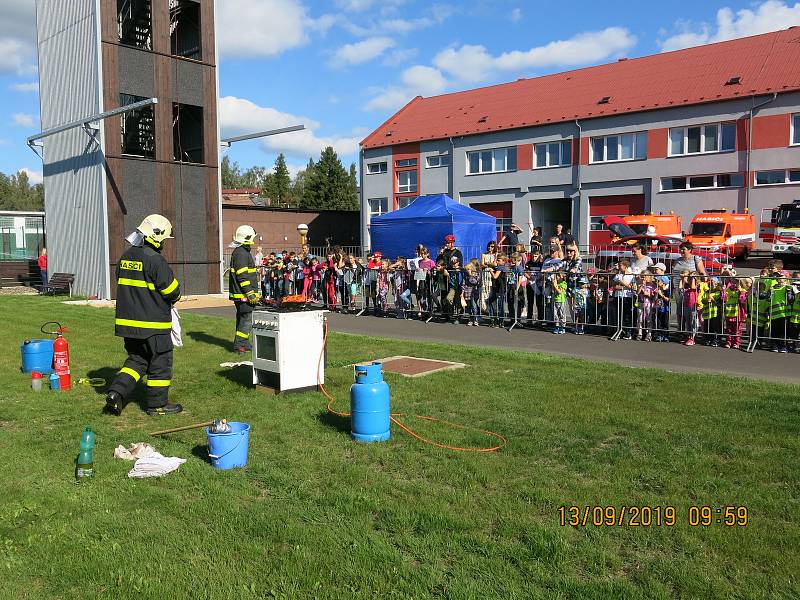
(710, 127)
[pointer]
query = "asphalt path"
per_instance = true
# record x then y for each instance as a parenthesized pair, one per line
(669, 356)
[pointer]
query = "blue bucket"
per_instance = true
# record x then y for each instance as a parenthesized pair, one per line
(228, 450)
(37, 355)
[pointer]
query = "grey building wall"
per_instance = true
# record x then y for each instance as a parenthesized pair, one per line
(534, 193)
(74, 180)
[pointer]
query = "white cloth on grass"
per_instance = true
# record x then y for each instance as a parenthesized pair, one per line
(149, 462)
(177, 340)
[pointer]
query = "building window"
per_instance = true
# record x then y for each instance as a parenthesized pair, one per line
(553, 154)
(406, 162)
(499, 160)
(702, 139)
(134, 26)
(702, 182)
(777, 177)
(796, 129)
(625, 146)
(376, 168)
(378, 206)
(406, 181)
(438, 160)
(137, 128)
(187, 133)
(403, 201)
(184, 26)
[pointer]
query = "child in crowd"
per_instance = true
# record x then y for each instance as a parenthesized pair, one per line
(580, 303)
(307, 277)
(648, 294)
(780, 302)
(401, 281)
(455, 279)
(735, 295)
(371, 281)
(662, 302)
(382, 294)
(534, 288)
(624, 285)
(440, 279)
(423, 278)
(356, 279)
(711, 313)
(560, 302)
(689, 285)
(495, 302)
(469, 291)
(794, 317)
(317, 270)
(517, 298)
(763, 292)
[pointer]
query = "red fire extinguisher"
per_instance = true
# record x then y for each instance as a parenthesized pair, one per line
(60, 355)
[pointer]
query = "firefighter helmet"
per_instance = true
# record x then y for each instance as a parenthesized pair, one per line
(244, 234)
(156, 228)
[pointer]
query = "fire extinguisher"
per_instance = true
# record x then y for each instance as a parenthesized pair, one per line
(60, 355)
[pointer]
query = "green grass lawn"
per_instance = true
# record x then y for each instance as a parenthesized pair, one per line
(316, 515)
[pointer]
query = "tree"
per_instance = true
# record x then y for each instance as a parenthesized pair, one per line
(328, 185)
(352, 188)
(231, 174)
(281, 181)
(16, 193)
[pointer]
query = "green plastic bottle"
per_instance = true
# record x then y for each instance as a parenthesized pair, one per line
(85, 462)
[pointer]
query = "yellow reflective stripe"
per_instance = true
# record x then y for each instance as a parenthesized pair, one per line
(143, 324)
(131, 372)
(237, 295)
(158, 382)
(242, 270)
(135, 283)
(245, 284)
(251, 270)
(170, 288)
(243, 335)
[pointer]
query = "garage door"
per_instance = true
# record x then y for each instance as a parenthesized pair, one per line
(499, 210)
(605, 206)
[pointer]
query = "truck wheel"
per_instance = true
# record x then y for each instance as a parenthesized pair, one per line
(745, 254)
(784, 256)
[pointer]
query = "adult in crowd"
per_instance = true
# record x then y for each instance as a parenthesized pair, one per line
(641, 261)
(565, 238)
(511, 237)
(687, 262)
(43, 266)
(488, 261)
(536, 240)
(449, 251)
(572, 265)
(490, 256)
(535, 289)
(259, 260)
(624, 285)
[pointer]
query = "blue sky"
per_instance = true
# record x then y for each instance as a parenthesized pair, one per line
(342, 67)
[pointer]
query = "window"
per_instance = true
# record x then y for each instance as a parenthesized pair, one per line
(777, 177)
(407, 181)
(184, 26)
(439, 160)
(498, 160)
(553, 154)
(625, 146)
(376, 168)
(796, 129)
(406, 162)
(134, 26)
(700, 139)
(403, 201)
(137, 128)
(187, 133)
(702, 182)
(378, 206)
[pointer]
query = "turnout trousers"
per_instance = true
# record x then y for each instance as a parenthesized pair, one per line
(244, 325)
(152, 357)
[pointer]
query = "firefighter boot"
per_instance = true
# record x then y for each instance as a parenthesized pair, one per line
(167, 409)
(114, 403)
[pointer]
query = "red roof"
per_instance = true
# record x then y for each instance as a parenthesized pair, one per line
(765, 63)
(241, 191)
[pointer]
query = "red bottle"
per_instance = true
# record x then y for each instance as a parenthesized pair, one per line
(61, 361)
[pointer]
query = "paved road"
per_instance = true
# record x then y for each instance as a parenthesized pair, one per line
(672, 357)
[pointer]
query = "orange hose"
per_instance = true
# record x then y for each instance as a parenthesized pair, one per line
(393, 416)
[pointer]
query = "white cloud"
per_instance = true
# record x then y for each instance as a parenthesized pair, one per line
(361, 52)
(261, 28)
(390, 24)
(472, 64)
(516, 15)
(767, 16)
(354, 5)
(23, 120)
(399, 57)
(13, 55)
(239, 116)
(17, 36)
(35, 177)
(419, 80)
(33, 86)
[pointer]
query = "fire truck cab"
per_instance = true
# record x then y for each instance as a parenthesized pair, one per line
(731, 233)
(663, 225)
(780, 228)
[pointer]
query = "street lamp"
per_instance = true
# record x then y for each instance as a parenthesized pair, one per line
(302, 229)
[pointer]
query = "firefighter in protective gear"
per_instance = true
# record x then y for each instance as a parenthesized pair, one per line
(146, 291)
(243, 286)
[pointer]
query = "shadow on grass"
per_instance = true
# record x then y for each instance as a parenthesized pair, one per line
(204, 338)
(340, 424)
(241, 375)
(107, 373)
(201, 452)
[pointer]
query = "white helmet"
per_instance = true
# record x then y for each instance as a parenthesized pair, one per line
(156, 228)
(244, 234)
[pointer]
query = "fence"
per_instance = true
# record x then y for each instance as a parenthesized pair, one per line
(719, 310)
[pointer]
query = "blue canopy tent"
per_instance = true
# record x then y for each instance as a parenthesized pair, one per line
(427, 221)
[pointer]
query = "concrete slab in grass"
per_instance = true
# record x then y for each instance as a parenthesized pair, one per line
(411, 366)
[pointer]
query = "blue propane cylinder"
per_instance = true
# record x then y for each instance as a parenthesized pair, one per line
(369, 404)
(37, 355)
